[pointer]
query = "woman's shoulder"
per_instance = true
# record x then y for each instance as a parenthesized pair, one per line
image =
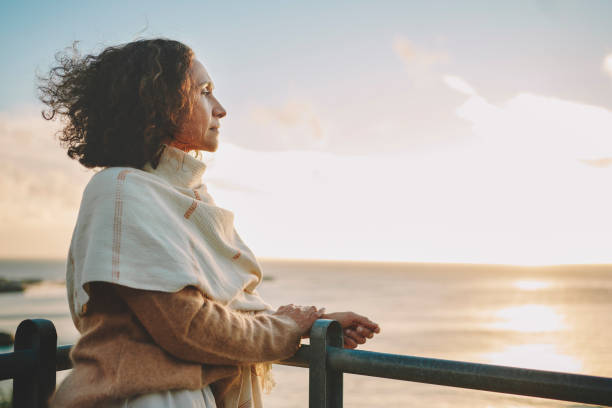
(108, 180)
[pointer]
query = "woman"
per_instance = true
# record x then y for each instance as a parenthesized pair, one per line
(160, 285)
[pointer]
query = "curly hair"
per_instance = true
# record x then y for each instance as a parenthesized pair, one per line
(122, 105)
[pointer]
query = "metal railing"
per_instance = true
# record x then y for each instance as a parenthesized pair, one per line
(36, 358)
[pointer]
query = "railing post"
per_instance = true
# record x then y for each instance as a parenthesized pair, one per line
(325, 383)
(32, 390)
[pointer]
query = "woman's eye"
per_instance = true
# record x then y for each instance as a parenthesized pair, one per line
(206, 92)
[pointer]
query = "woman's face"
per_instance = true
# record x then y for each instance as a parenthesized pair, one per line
(201, 130)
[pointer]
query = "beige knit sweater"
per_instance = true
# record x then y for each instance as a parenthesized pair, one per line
(136, 341)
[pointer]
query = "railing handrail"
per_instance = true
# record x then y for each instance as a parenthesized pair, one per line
(327, 361)
(476, 376)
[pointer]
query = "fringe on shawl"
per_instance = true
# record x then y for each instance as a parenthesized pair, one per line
(264, 372)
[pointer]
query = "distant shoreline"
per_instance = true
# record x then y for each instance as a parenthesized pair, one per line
(358, 261)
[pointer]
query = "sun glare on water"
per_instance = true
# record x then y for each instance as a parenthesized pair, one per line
(536, 356)
(531, 284)
(529, 318)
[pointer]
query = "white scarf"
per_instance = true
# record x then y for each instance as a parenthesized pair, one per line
(159, 229)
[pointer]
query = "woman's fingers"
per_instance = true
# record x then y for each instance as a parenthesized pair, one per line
(364, 331)
(304, 316)
(349, 343)
(353, 335)
(366, 323)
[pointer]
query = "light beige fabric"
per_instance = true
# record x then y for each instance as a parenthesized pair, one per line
(248, 394)
(170, 399)
(159, 230)
(136, 342)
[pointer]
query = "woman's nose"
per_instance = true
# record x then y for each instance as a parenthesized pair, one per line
(219, 110)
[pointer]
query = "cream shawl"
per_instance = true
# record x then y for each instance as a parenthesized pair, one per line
(159, 229)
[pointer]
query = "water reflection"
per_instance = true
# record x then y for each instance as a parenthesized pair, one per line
(530, 284)
(529, 318)
(538, 356)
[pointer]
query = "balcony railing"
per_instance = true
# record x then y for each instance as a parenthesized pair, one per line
(36, 359)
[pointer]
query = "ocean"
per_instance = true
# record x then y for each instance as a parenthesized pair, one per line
(553, 318)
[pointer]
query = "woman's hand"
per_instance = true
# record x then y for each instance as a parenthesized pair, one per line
(304, 316)
(356, 327)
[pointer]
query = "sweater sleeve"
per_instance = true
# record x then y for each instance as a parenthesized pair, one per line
(194, 328)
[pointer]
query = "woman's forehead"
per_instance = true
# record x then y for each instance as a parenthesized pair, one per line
(199, 73)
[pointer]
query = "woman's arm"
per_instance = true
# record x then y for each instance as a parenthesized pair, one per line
(194, 328)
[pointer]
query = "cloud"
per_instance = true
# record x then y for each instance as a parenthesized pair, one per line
(40, 187)
(418, 62)
(607, 64)
(538, 126)
(459, 85)
(518, 196)
(415, 56)
(466, 205)
(293, 125)
(33, 197)
(600, 163)
(225, 184)
(242, 170)
(292, 114)
(296, 118)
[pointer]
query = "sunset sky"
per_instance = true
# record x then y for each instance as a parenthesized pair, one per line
(439, 131)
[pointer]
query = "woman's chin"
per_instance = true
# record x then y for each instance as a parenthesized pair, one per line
(210, 147)
(212, 141)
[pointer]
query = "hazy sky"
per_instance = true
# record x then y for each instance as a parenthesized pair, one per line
(473, 131)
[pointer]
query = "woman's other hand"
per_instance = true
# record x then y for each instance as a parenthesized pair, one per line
(357, 328)
(304, 316)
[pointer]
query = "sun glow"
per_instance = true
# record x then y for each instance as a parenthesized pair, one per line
(537, 356)
(529, 318)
